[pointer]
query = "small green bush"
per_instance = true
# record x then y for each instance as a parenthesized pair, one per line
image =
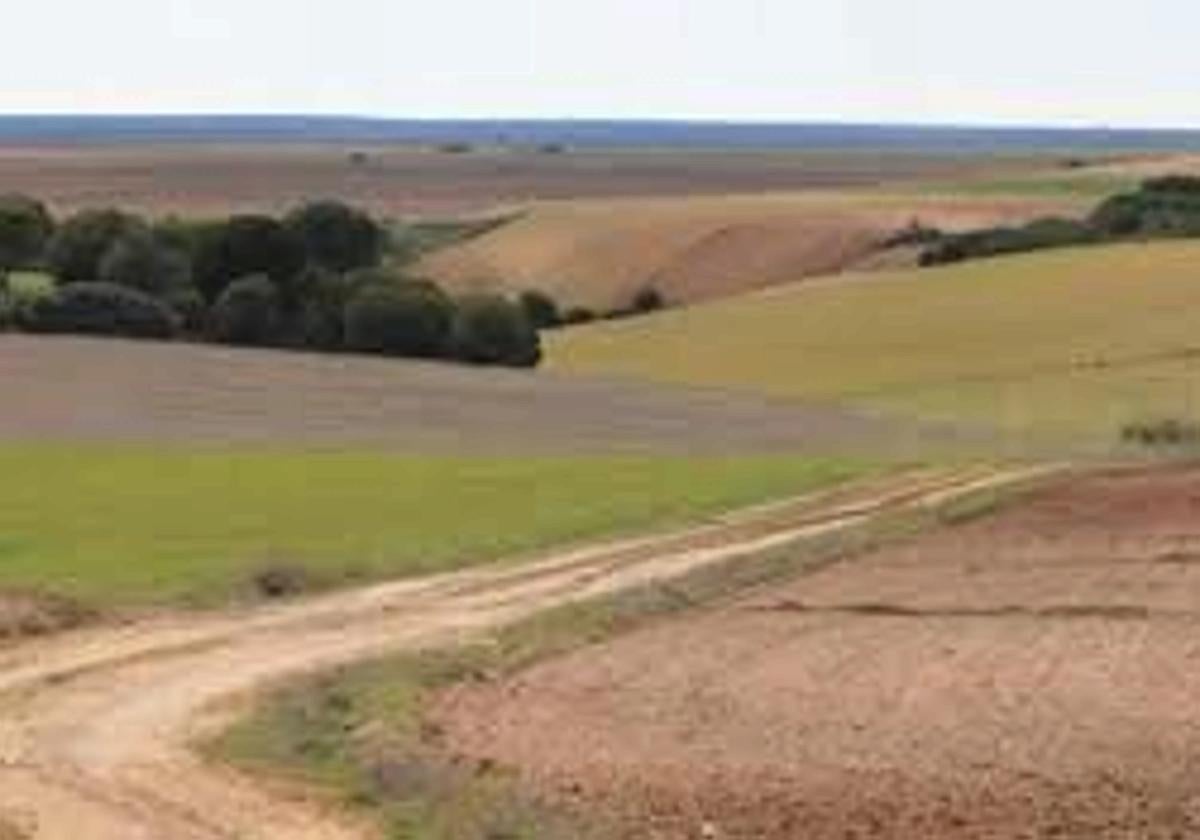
(246, 312)
(102, 309)
(1164, 432)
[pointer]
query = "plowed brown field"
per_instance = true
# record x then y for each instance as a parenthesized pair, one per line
(1027, 675)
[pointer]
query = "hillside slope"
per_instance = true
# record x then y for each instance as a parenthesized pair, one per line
(1075, 341)
(599, 253)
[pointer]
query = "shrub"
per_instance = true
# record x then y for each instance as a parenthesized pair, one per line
(336, 236)
(408, 319)
(82, 241)
(25, 229)
(540, 309)
(21, 291)
(1165, 432)
(490, 330)
(579, 315)
(102, 309)
(246, 312)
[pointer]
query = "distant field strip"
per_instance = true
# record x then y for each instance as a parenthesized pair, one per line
(1071, 341)
(129, 524)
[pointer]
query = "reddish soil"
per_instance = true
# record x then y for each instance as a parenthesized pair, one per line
(1031, 674)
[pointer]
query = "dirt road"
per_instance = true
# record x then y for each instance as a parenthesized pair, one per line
(95, 727)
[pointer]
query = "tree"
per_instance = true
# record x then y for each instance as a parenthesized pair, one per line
(336, 236)
(25, 229)
(490, 330)
(247, 312)
(81, 242)
(410, 319)
(541, 310)
(320, 324)
(102, 309)
(139, 261)
(244, 246)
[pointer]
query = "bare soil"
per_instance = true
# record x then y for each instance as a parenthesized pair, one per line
(600, 252)
(1026, 675)
(214, 179)
(78, 389)
(95, 726)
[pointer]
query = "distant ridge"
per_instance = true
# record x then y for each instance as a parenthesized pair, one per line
(585, 133)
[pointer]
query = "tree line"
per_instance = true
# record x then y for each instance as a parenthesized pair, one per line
(317, 278)
(1160, 208)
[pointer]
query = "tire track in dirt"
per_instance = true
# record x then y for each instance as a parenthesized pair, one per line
(95, 727)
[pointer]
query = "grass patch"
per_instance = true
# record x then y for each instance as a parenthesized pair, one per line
(111, 524)
(340, 732)
(1073, 342)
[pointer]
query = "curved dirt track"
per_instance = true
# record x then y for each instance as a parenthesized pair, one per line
(95, 727)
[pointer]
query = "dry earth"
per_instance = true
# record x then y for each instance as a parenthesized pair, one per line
(95, 726)
(599, 253)
(78, 389)
(1032, 674)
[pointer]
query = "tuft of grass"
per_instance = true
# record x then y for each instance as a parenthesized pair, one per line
(1073, 343)
(122, 524)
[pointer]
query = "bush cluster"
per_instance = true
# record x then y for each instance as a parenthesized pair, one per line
(1162, 432)
(1159, 208)
(316, 278)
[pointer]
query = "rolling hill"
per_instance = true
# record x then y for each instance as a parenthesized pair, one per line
(1074, 342)
(600, 252)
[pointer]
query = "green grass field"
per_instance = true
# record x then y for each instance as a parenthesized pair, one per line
(127, 525)
(1074, 342)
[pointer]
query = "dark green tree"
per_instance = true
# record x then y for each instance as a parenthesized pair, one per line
(247, 312)
(140, 261)
(336, 236)
(25, 229)
(541, 310)
(491, 330)
(80, 244)
(102, 309)
(409, 319)
(245, 246)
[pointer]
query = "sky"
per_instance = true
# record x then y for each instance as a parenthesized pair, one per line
(1071, 62)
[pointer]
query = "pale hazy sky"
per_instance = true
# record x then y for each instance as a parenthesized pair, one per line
(1060, 61)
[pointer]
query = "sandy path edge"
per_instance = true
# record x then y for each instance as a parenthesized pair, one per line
(95, 726)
